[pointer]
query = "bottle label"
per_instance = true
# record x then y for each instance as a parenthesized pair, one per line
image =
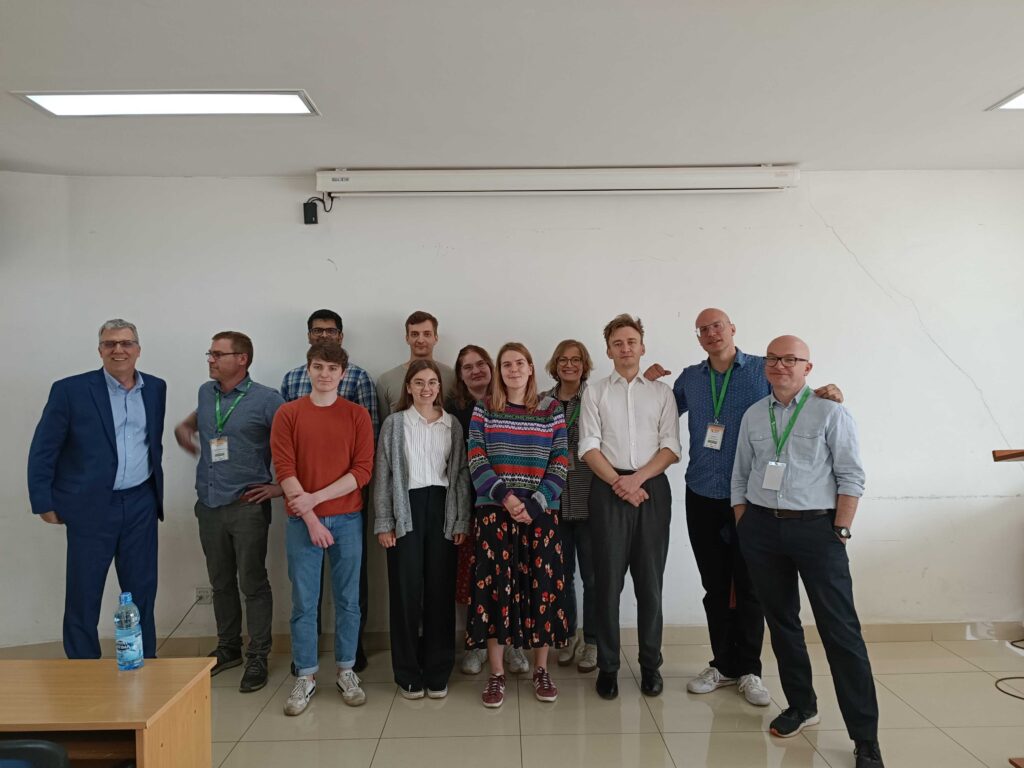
(129, 646)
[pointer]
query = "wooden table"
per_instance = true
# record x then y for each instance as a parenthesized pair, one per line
(158, 715)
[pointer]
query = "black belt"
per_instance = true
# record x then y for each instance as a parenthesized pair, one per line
(793, 514)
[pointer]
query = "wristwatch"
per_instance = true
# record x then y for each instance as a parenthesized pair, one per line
(842, 531)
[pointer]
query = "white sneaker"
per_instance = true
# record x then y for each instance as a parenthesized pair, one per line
(410, 693)
(439, 694)
(754, 691)
(298, 699)
(567, 654)
(516, 661)
(473, 661)
(588, 659)
(348, 684)
(709, 680)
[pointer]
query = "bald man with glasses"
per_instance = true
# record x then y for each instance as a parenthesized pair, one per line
(796, 483)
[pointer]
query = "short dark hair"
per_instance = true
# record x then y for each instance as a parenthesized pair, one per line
(329, 353)
(324, 314)
(240, 343)
(419, 316)
(623, 321)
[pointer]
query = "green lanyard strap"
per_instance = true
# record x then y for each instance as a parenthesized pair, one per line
(716, 399)
(779, 444)
(222, 421)
(575, 415)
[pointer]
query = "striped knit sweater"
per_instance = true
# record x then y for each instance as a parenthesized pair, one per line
(514, 450)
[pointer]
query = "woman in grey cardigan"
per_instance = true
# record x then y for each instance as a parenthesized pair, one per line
(421, 513)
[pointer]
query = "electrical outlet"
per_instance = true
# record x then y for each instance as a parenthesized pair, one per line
(204, 595)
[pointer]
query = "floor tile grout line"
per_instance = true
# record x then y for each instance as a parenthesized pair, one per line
(383, 727)
(273, 696)
(964, 747)
(909, 705)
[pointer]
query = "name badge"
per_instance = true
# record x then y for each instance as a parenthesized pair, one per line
(714, 436)
(773, 476)
(218, 449)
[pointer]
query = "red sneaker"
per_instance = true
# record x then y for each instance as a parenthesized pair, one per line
(543, 688)
(494, 694)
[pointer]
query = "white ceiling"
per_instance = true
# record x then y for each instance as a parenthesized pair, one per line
(828, 84)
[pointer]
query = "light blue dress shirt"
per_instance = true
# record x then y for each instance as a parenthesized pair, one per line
(129, 414)
(822, 455)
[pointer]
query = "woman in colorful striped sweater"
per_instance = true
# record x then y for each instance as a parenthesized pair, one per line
(518, 459)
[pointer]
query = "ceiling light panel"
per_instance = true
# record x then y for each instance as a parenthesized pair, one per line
(174, 103)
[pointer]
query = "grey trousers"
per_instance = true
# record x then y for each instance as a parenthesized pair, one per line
(624, 537)
(234, 539)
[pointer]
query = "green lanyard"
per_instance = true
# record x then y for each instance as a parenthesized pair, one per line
(789, 427)
(716, 399)
(575, 415)
(222, 421)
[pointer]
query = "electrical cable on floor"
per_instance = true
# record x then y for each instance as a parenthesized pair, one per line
(1015, 644)
(177, 625)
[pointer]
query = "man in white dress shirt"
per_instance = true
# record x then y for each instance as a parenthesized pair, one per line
(629, 435)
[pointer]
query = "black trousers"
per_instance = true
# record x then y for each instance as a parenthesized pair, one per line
(779, 551)
(624, 537)
(421, 588)
(736, 628)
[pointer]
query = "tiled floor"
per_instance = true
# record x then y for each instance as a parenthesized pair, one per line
(938, 706)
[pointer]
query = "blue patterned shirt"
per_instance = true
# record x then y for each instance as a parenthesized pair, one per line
(709, 472)
(356, 386)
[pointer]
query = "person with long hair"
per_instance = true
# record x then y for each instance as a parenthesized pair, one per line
(518, 459)
(570, 366)
(421, 505)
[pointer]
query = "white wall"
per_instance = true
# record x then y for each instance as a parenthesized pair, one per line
(904, 284)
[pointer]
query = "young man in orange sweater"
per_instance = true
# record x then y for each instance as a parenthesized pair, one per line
(323, 455)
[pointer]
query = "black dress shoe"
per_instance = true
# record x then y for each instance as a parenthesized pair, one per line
(651, 683)
(607, 685)
(868, 754)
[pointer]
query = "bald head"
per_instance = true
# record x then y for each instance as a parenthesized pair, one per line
(789, 345)
(715, 332)
(787, 380)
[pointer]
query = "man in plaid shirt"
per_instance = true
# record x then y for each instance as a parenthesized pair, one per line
(357, 387)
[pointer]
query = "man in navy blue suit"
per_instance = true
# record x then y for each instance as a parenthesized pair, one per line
(95, 467)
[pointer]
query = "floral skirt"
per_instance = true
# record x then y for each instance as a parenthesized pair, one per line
(517, 582)
(464, 570)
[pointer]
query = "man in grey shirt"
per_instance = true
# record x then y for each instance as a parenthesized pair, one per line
(421, 336)
(796, 482)
(235, 486)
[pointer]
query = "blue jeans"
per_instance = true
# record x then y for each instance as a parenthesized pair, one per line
(305, 560)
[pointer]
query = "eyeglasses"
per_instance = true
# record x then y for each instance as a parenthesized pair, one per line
(218, 355)
(569, 360)
(788, 361)
(478, 365)
(707, 330)
(325, 331)
(125, 345)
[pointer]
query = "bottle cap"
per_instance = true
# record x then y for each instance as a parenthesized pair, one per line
(126, 597)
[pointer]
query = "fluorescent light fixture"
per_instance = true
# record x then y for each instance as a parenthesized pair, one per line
(1013, 101)
(174, 103)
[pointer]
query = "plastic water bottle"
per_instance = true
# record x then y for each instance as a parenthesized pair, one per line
(128, 634)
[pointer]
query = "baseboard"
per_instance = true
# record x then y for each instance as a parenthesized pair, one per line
(673, 635)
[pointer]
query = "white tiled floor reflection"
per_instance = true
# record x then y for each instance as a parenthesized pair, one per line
(938, 706)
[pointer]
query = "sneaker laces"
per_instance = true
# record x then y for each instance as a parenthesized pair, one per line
(347, 679)
(255, 665)
(710, 675)
(495, 684)
(302, 686)
(541, 678)
(751, 683)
